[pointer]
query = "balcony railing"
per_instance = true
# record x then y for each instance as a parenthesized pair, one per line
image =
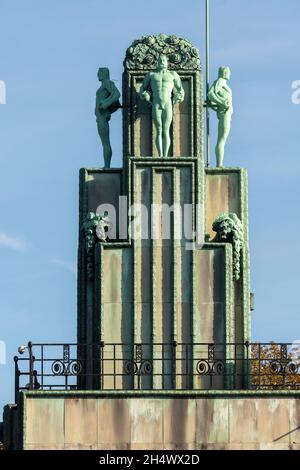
(157, 366)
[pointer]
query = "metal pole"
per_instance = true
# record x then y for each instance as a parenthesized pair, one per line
(207, 82)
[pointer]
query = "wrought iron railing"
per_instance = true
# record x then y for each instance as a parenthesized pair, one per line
(158, 366)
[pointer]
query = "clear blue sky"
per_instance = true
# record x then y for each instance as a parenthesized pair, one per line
(50, 52)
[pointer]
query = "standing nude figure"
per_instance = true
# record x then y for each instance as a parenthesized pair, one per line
(220, 100)
(107, 102)
(157, 88)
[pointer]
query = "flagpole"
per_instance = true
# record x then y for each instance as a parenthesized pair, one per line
(207, 82)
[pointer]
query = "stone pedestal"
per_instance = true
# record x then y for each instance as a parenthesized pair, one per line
(156, 421)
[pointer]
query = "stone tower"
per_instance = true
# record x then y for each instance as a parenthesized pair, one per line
(154, 305)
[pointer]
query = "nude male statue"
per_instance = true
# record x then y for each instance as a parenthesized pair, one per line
(220, 100)
(107, 102)
(162, 88)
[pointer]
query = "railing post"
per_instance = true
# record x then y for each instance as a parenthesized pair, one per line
(259, 366)
(31, 364)
(138, 360)
(174, 345)
(42, 367)
(247, 376)
(17, 378)
(102, 344)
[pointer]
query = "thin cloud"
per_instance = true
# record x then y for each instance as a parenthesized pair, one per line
(12, 242)
(71, 267)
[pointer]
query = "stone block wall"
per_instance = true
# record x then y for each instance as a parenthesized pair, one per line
(187, 420)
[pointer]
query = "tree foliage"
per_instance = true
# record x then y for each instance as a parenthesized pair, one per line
(274, 366)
